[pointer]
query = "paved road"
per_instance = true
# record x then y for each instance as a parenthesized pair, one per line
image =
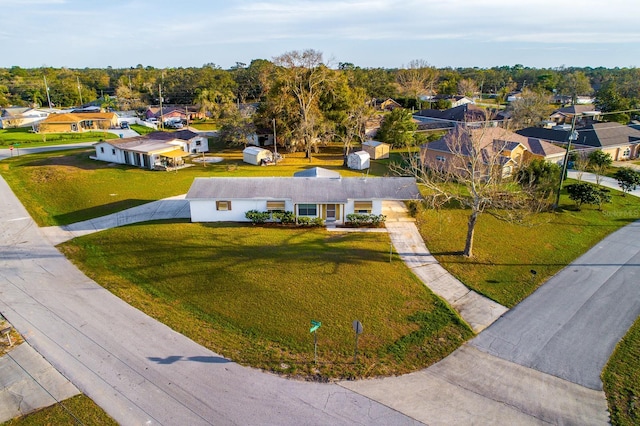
(138, 370)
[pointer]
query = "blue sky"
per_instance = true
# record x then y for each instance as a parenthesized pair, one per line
(371, 33)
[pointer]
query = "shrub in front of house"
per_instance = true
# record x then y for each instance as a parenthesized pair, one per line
(256, 216)
(283, 217)
(357, 220)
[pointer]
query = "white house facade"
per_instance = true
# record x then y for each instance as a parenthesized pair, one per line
(332, 199)
(157, 150)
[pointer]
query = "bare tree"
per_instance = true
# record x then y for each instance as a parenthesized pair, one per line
(417, 79)
(581, 164)
(467, 87)
(472, 168)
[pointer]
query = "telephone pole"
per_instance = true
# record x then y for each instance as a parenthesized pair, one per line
(47, 89)
(79, 90)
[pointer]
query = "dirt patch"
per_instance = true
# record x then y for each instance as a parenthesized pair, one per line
(13, 335)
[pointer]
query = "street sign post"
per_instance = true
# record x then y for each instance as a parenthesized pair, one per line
(315, 325)
(357, 327)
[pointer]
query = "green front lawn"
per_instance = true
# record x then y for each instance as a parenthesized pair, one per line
(506, 253)
(621, 379)
(249, 293)
(63, 187)
(27, 139)
(73, 411)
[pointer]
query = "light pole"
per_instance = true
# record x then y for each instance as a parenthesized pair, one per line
(572, 137)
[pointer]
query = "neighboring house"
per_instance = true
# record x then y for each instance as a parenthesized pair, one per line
(514, 96)
(14, 117)
(558, 135)
(499, 150)
(69, 122)
(386, 104)
(456, 100)
(330, 198)
(154, 151)
(167, 112)
(467, 114)
(586, 115)
(621, 141)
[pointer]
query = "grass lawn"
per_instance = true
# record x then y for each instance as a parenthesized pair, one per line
(621, 378)
(141, 130)
(506, 253)
(63, 187)
(73, 411)
(26, 139)
(204, 125)
(249, 293)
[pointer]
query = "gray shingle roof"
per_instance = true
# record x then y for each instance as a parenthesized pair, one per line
(305, 189)
(607, 134)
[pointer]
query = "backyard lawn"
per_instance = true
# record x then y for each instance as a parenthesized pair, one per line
(249, 293)
(63, 187)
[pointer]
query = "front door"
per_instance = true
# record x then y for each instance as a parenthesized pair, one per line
(331, 212)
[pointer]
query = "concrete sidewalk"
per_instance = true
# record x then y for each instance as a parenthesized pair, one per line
(28, 382)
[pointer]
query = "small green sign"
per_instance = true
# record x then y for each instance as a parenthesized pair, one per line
(315, 325)
(16, 144)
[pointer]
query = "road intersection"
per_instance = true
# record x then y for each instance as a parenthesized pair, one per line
(539, 363)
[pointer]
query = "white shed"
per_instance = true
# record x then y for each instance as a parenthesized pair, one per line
(358, 160)
(255, 155)
(377, 150)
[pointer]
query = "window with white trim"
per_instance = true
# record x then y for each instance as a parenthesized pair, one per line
(440, 158)
(307, 210)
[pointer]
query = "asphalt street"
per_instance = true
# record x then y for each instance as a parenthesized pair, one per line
(570, 326)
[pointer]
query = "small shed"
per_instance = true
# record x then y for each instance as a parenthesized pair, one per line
(377, 150)
(255, 155)
(358, 160)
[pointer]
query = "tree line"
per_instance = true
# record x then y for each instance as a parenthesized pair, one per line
(310, 101)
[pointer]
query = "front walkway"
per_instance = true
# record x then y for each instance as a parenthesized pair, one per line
(478, 311)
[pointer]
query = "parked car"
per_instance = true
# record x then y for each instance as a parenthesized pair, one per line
(124, 125)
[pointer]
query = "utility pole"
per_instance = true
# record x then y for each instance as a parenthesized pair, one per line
(161, 113)
(79, 90)
(572, 137)
(47, 89)
(275, 145)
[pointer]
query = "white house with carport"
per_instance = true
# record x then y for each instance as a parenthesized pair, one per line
(220, 199)
(157, 150)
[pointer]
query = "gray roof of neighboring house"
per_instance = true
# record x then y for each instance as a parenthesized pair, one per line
(540, 147)
(561, 136)
(600, 135)
(184, 135)
(304, 189)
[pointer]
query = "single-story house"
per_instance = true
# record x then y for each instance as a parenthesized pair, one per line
(586, 114)
(13, 117)
(466, 114)
(358, 160)
(183, 113)
(156, 150)
(81, 122)
(376, 150)
(228, 199)
(622, 142)
(497, 148)
(386, 104)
